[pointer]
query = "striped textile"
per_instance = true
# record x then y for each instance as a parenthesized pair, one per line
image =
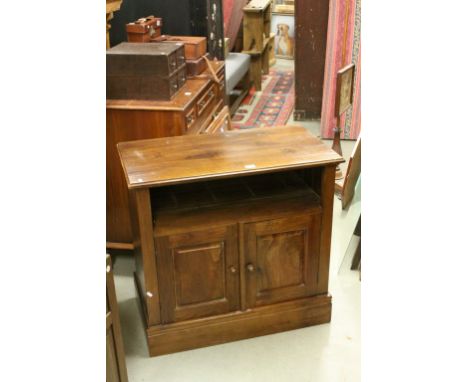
(343, 48)
(233, 14)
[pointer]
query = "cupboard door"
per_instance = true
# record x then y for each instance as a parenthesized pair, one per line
(199, 274)
(281, 259)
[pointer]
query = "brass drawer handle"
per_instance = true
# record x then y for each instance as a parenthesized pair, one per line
(250, 267)
(233, 269)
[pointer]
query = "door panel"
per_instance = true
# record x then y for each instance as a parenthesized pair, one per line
(281, 259)
(196, 287)
(200, 273)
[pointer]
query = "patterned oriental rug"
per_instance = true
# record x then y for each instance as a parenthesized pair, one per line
(270, 107)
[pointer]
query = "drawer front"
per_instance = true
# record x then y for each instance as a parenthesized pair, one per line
(206, 100)
(220, 122)
(182, 77)
(191, 118)
(222, 79)
(173, 84)
(181, 57)
(172, 59)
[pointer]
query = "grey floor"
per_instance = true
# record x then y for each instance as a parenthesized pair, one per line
(328, 353)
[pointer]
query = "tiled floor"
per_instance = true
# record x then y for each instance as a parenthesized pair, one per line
(324, 353)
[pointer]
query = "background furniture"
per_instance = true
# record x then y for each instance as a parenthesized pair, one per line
(221, 123)
(116, 369)
(345, 188)
(237, 76)
(311, 22)
(233, 234)
(111, 7)
(190, 112)
(356, 263)
(257, 40)
(145, 71)
(180, 18)
(232, 13)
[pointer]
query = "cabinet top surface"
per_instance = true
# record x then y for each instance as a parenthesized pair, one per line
(184, 159)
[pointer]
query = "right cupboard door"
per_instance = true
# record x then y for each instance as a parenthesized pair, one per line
(281, 259)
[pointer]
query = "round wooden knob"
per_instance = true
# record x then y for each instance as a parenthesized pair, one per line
(250, 267)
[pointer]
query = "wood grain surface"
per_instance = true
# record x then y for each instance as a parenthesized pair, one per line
(175, 160)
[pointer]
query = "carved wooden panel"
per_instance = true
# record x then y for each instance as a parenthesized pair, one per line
(282, 259)
(200, 276)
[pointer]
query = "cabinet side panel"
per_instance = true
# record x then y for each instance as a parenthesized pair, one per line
(327, 189)
(137, 252)
(145, 251)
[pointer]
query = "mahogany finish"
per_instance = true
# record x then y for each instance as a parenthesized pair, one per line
(195, 47)
(232, 234)
(191, 111)
(311, 21)
(144, 29)
(183, 159)
(195, 67)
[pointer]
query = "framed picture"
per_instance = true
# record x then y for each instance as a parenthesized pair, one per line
(344, 89)
(283, 6)
(283, 28)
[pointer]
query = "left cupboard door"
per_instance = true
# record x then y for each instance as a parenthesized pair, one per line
(198, 273)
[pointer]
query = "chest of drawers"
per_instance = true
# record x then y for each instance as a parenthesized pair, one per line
(145, 71)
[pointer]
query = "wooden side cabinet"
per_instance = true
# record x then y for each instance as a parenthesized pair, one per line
(116, 369)
(233, 234)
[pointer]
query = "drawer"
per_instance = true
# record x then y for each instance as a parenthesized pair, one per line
(182, 76)
(220, 122)
(181, 57)
(172, 59)
(173, 84)
(191, 118)
(206, 99)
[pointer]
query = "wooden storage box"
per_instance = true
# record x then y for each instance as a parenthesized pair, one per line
(196, 67)
(195, 47)
(145, 71)
(144, 29)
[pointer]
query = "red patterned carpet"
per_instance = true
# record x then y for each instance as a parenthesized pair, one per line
(270, 107)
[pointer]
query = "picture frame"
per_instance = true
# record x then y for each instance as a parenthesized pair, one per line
(344, 89)
(283, 7)
(283, 27)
